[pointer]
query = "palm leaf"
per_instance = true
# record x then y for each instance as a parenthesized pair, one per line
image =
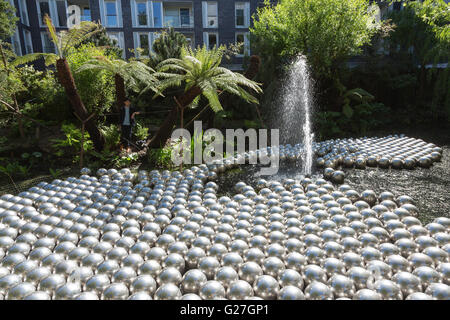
(78, 34)
(52, 33)
(32, 57)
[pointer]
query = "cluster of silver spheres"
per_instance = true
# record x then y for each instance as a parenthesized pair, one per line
(396, 152)
(167, 235)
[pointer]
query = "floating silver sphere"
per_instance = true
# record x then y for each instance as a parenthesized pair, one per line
(239, 290)
(38, 295)
(388, 290)
(144, 283)
(226, 275)
(318, 291)
(250, 271)
(290, 277)
(20, 291)
(209, 266)
(193, 280)
(68, 291)
(313, 273)
(438, 291)
(212, 290)
(341, 286)
(407, 282)
(427, 275)
(141, 295)
(190, 296)
(291, 293)
(367, 294)
(51, 283)
(116, 291)
(266, 287)
(418, 296)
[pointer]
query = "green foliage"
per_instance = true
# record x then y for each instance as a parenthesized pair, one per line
(101, 39)
(200, 68)
(96, 87)
(32, 158)
(326, 31)
(134, 73)
(8, 20)
(422, 31)
(161, 157)
(112, 136)
(13, 168)
(359, 116)
(42, 98)
(55, 173)
(422, 37)
(125, 160)
(65, 42)
(71, 143)
(167, 45)
(141, 132)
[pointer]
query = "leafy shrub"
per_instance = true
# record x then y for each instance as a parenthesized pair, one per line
(161, 157)
(43, 97)
(112, 136)
(141, 132)
(96, 88)
(71, 144)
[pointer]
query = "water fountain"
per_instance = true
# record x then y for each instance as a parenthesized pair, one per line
(295, 111)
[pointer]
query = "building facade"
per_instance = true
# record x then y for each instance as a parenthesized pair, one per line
(137, 23)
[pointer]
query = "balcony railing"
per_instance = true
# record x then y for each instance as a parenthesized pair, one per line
(179, 21)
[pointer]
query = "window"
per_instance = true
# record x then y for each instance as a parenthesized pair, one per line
(15, 42)
(210, 39)
(28, 42)
(190, 43)
(85, 14)
(55, 9)
(118, 39)
(210, 16)
(144, 43)
(185, 19)
(157, 15)
(62, 16)
(24, 12)
(177, 17)
(242, 40)
(141, 12)
(242, 12)
(171, 17)
(111, 13)
(47, 44)
(143, 40)
(44, 9)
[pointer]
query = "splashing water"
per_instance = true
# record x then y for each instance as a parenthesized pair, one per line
(296, 111)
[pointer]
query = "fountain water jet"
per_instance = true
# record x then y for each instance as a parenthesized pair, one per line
(295, 111)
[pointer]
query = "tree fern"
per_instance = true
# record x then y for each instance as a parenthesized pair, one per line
(201, 68)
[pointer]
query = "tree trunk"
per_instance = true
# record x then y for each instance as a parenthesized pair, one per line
(165, 130)
(253, 68)
(120, 91)
(66, 79)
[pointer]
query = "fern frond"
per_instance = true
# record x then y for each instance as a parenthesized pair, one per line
(52, 33)
(31, 58)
